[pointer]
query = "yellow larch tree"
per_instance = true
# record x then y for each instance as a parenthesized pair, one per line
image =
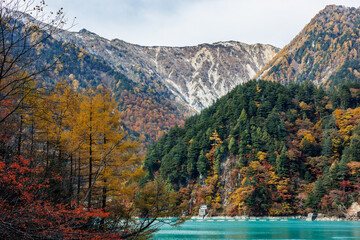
(108, 156)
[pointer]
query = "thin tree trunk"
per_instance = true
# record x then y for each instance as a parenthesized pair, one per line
(104, 193)
(104, 188)
(102, 222)
(78, 180)
(32, 138)
(59, 157)
(47, 159)
(104, 196)
(20, 135)
(90, 157)
(71, 178)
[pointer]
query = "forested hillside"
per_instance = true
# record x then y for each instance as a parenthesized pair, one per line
(266, 149)
(73, 129)
(68, 167)
(324, 52)
(147, 113)
(156, 87)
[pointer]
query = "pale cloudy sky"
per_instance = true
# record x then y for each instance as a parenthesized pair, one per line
(191, 22)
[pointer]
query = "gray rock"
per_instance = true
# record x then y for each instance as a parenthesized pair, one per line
(194, 77)
(311, 217)
(354, 210)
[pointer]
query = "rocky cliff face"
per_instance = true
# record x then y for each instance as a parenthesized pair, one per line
(193, 77)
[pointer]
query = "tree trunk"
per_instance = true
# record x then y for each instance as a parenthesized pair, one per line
(32, 138)
(104, 188)
(78, 180)
(47, 159)
(71, 178)
(20, 135)
(90, 157)
(104, 196)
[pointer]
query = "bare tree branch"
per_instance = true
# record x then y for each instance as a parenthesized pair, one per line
(24, 28)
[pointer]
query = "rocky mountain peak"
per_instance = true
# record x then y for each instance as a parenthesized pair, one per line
(85, 31)
(193, 77)
(329, 42)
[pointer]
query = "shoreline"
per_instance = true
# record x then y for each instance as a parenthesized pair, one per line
(246, 217)
(320, 218)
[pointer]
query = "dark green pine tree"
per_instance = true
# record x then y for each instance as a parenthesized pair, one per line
(282, 163)
(241, 124)
(152, 160)
(233, 148)
(281, 130)
(256, 135)
(202, 164)
(272, 123)
(345, 97)
(316, 195)
(327, 181)
(333, 173)
(243, 161)
(172, 165)
(283, 101)
(264, 109)
(352, 153)
(192, 158)
(343, 170)
(219, 153)
(326, 147)
(244, 147)
(252, 108)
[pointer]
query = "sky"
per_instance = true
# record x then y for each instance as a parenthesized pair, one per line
(192, 22)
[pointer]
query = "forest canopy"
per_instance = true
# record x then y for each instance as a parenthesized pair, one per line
(266, 149)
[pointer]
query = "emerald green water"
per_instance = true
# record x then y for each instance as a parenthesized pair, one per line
(260, 229)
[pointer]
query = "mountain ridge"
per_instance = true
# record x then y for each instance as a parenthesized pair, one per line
(192, 76)
(325, 44)
(278, 147)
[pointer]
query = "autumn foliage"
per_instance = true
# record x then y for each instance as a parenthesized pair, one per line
(325, 52)
(267, 149)
(27, 212)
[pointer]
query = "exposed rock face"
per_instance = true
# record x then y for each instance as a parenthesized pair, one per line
(193, 76)
(311, 217)
(354, 209)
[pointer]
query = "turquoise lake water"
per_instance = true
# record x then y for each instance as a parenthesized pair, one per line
(260, 229)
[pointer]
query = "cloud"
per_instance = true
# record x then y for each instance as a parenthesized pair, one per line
(191, 22)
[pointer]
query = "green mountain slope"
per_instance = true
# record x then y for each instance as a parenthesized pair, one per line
(326, 48)
(265, 149)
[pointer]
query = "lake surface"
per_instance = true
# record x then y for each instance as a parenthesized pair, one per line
(260, 229)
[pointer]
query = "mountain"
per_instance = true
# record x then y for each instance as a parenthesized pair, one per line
(266, 149)
(282, 146)
(156, 87)
(325, 52)
(146, 113)
(192, 77)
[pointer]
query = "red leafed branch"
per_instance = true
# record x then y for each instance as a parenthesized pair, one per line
(27, 213)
